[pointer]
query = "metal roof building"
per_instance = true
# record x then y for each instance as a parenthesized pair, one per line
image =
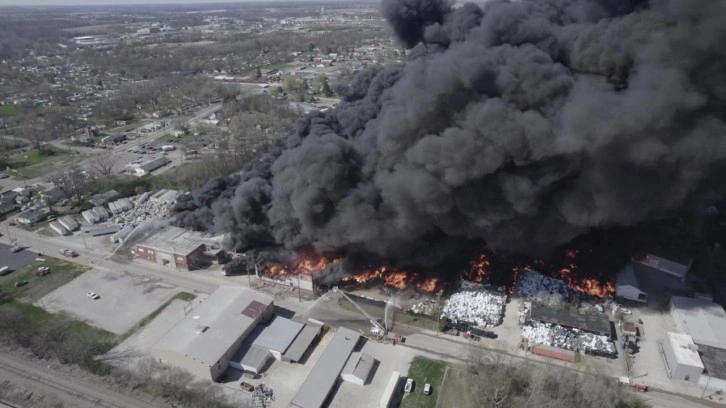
(701, 319)
(276, 337)
(628, 287)
(302, 342)
(250, 358)
(98, 230)
(359, 368)
(205, 340)
(320, 381)
(592, 322)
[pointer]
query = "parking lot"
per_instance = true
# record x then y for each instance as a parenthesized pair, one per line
(15, 260)
(124, 299)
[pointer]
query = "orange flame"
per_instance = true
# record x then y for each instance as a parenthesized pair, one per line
(306, 264)
(478, 271)
(590, 286)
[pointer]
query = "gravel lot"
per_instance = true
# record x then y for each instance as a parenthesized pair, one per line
(125, 299)
(15, 260)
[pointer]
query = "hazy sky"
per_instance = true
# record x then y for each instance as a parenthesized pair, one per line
(108, 2)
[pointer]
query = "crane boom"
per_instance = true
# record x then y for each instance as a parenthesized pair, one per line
(360, 309)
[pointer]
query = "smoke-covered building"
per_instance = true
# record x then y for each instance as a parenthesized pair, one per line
(174, 247)
(627, 286)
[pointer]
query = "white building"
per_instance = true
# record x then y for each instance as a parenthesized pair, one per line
(677, 268)
(358, 368)
(701, 319)
(628, 287)
(682, 359)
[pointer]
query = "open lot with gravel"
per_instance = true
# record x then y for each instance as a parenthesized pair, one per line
(124, 299)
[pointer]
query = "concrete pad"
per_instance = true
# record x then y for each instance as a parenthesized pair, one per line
(390, 358)
(125, 299)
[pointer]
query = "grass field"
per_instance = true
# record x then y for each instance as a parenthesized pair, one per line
(61, 272)
(34, 163)
(424, 370)
(9, 111)
(456, 390)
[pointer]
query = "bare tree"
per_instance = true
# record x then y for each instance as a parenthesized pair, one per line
(72, 182)
(103, 166)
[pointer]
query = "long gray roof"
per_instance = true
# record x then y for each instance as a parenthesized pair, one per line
(276, 336)
(323, 376)
(302, 342)
(212, 327)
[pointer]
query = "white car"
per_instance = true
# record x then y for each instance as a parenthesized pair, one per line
(409, 385)
(93, 295)
(3, 176)
(16, 248)
(427, 389)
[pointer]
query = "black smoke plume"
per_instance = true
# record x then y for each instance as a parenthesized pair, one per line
(520, 124)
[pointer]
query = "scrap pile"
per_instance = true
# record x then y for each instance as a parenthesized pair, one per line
(530, 284)
(427, 307)
(483, 308)
(143, 210)
(569, 339)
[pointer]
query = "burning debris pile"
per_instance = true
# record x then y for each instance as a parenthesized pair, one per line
(521, 124)
(532, 285)
(483, 308)
(569, 339)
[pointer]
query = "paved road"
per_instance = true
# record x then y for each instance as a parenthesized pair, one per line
(445, 347)
(10, 183)
(14, 368)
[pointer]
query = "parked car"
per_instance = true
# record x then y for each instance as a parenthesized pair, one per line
(93, 295)
(3, 176)
(21, 283)
(247, 386)
(16, 248)
(427, 389)
(409, 385)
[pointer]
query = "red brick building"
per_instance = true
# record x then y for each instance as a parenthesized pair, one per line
(173, 247)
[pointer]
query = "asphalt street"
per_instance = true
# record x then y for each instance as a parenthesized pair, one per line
(444, 347)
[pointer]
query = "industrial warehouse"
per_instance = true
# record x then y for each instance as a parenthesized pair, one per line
(184, 250)
(233, 327)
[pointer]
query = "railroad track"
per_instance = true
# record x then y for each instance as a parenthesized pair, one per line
(57, 385)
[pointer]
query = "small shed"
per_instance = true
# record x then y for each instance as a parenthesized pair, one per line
(358, 368)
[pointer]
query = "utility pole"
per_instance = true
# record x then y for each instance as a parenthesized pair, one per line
(83, 236)
(438, 313)
(299, 293)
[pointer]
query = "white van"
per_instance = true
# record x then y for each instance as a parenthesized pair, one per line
(4, 270)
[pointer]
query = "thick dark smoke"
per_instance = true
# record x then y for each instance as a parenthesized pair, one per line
(522, 124)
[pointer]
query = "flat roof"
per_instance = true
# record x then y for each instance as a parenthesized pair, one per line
(714, 360)
(251, 356)
(684, 349)
(212, 327)
(174, 240)
(359, 364)
(277, 336)
(302, 342)
(592, 322)
(701, 319)
(321, 379)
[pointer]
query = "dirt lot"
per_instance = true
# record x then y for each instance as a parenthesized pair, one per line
(124, 299)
